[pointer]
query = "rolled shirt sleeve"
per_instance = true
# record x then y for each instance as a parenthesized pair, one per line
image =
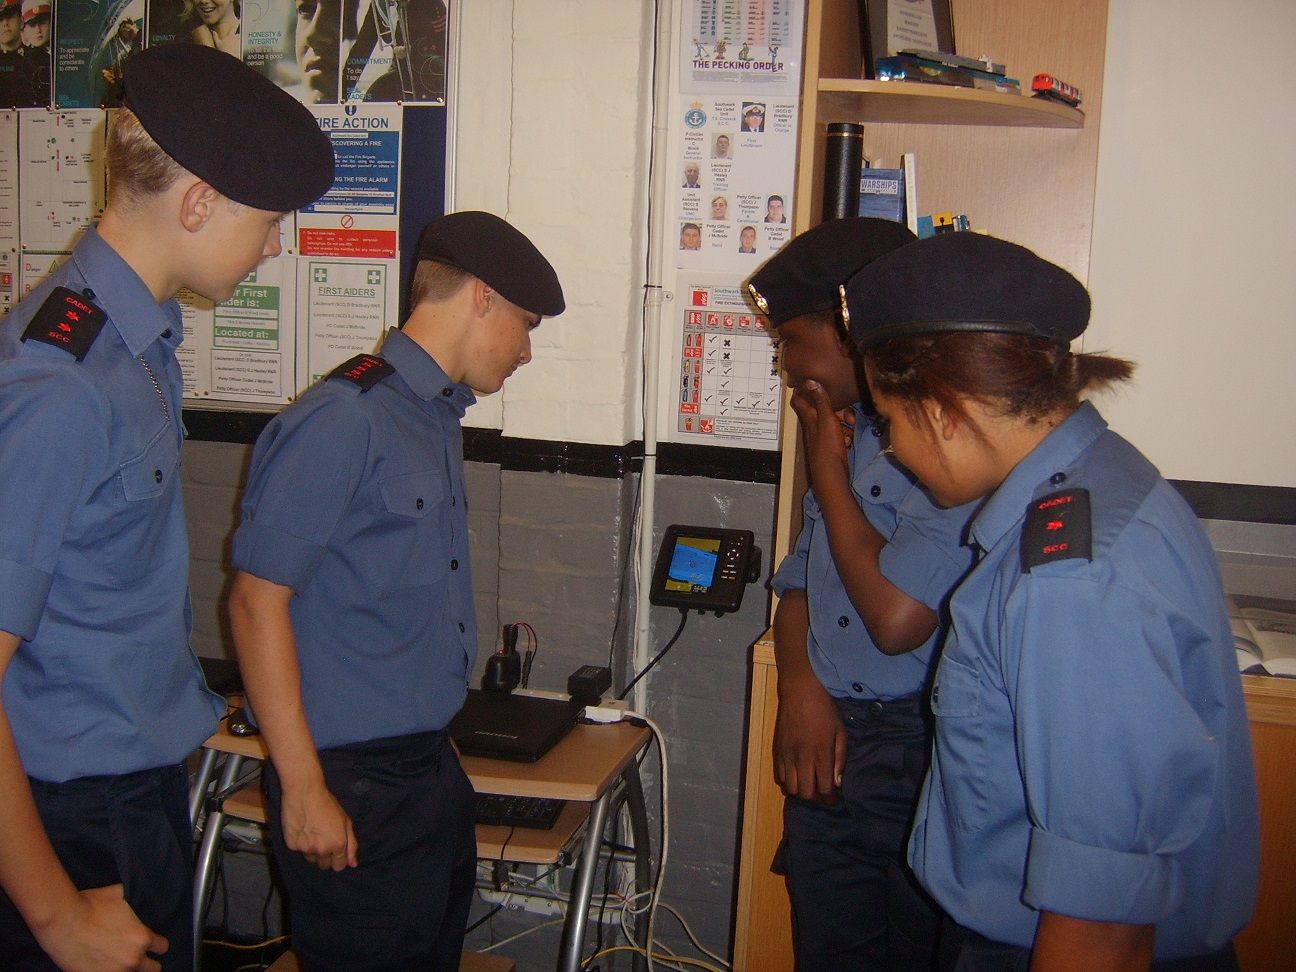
(794, 570)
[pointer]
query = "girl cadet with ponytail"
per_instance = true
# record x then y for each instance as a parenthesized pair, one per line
(1091, 799)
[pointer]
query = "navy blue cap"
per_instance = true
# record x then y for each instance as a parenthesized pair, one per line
(497, 254)
(963, 282)
(230, 126)
(803, 277)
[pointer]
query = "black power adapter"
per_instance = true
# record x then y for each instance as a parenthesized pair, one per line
(504, 668)
(587, 684)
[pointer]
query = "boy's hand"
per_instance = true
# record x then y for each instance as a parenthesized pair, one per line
(826, 434)
(100, 933)
(316, 826)
(809, 742)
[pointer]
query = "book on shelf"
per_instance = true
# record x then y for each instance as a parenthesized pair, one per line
(906, 67)
(882, 194)
(1264, 635)
(909, 166)
(891, 193)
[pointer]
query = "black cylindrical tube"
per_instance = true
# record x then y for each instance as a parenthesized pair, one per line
(843, 160)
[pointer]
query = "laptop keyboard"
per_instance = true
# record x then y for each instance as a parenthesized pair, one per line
(499, 809)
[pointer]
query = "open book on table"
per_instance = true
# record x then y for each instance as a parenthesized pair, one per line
(1264, 634)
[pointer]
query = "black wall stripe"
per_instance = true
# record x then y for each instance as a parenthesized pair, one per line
(1231, 501)
(1213, 501)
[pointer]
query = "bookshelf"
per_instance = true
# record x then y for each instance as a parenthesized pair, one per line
(1020, 168)
(898, 102)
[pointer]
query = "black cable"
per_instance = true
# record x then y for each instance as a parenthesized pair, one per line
(607, 882)
(484, 918)
(625, 563)
(658, 657)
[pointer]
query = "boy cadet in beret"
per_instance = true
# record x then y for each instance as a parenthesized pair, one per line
(352, 609)
(855, 631)
(1091, 803)
(103, 697)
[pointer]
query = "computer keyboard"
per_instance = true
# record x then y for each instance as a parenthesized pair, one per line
(499, 809)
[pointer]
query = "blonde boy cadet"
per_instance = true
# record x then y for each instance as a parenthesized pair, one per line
(353, 611)
(102, 696)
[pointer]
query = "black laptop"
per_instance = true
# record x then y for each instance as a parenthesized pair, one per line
(521, 728)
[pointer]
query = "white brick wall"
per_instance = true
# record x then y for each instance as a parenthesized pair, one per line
(552, 133)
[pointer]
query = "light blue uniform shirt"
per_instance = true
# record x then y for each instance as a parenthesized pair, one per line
(1092, 756)
(924, 557)
(355, 500)
(94, 555)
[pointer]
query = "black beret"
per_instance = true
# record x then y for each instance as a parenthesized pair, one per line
(804, 276)
(496, 254)
(230, 126)
(964, 282)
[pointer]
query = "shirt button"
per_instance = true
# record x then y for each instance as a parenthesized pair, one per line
(875, 490)
(167, 334)
(447, 392)
(1057, 479)
(418, 503)
(875, 708)
(461, 627)
(454, 565)
(843, 622)
(857, 687)
(157, 475)
(877, 433)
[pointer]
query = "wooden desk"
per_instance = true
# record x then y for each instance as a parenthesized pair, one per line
(582, 769)
(1269, 942)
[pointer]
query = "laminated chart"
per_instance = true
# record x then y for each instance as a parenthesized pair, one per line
(729, 386)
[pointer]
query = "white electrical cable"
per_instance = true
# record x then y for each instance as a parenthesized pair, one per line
(665, 826)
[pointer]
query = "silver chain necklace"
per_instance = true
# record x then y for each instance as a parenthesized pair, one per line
(156, 387)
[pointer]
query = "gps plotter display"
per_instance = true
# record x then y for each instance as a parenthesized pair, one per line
(704, 568)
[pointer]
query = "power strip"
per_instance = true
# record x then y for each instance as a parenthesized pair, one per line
(610, 710)
(550, 907)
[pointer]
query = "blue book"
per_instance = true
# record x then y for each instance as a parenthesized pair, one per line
(882, 194)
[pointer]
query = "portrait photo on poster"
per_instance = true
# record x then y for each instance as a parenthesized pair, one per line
(327, 52)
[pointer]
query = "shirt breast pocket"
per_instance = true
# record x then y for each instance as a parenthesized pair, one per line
(148, 474)
(147, 529)
(961, 750)
(416, 507)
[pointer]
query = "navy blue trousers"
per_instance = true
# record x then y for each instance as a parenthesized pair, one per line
(131, 830)
(406, 906)
(855, 903)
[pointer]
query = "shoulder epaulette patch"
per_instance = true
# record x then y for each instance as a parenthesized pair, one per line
(67, 320)
(365, 370)
(1058, 527)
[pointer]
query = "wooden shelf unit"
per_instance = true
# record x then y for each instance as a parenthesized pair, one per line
(1020, 168)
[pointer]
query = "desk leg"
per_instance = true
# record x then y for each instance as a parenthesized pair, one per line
(643, 856)
(198, 790)
(207, 854)
(573, 939)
